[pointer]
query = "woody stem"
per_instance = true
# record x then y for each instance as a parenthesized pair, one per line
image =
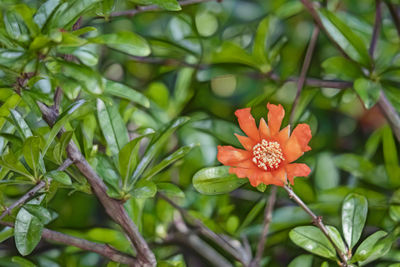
(317, 220)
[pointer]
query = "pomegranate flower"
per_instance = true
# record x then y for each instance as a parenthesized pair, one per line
(269, 151)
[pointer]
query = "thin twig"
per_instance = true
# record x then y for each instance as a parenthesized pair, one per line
(101, 249)
(395, 15)
(376, 30)
(21, 201)
(304, 70)
(238, 255)
(266, 223)
(317, 220)
(140, 9)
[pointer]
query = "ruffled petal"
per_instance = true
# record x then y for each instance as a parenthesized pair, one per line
(251, 174)
(231, 156)
(264, 130)
(283, 136)
(267, 178)
(297, 143)
(247, 123)
(280, 175)
(297, 169)
(246, 142)
(275, 117)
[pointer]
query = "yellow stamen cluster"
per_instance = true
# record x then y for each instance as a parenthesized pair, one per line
(267, 155)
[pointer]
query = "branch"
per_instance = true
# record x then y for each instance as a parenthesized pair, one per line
(101, 249)
(376, 30)
(113, 207)
(395, 15)
(267, 221)
(141, 9)
(207, 232)
(304, 70)
(317, 220)
(32, 192)
(390, 113)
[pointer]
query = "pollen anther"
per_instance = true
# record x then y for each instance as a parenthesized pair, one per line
(267, 155)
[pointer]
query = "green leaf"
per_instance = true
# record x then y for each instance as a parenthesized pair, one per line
(20, 124)
(354, 215)
(178, 154)
(27, 232)
(155, 146)
(126, 42)
(302, 261)
(170, 190)
(313, 240)
(336, 238)
(90, 79)
(31, 152)
(61, 121)
(60, 177)
(348, 41)
(368, 91)
(39, 212)
(6, 233)
(390, 156)
(128, 158)
(170, 5)
(216, 180)
(10, 161)
(220, 129)
(44, 12)
(253, 213)
(8, 105)
(23, 262)
(15, 26)
(123, 91)
(112, 126)
(144, 189)
(260, 41)
(341, 68)
(375, 246)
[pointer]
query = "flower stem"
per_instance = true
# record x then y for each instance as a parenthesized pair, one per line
(317, 220)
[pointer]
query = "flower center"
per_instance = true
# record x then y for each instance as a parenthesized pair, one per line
(267, 155)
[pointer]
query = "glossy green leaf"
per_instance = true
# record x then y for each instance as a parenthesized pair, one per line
(216, 180)
(44, 12)
(6, 233)
(61, 121)
(126, 42)
(170, 5)
(170, 190)
(8, 105)
(178, 154)
(23, 262)
(123, 91)
(313, 240)
(302, 261)
(27, 232)
(336, 238)
(39, 212)
(15, 26)
(20, 124)
(260, 40)
(326, 172)
(128, 158)
(144, 189)
(253, 213)
(341, 68)
(156, 146)
(11, 162)
(368, 91)
(354, 215)
(345, 37)
(60, 177)
(390, 156)
(31, 152)
(112, 125)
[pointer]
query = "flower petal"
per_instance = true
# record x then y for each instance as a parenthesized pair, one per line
(297, 169)
(267, 178)
(275, 117)
(264, 130)
(297, 143)
(231, 156)
(247, 123)
(283, 136)
(246, 142)
(246, 173)
(280, 176)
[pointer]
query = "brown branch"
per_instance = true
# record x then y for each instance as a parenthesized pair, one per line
(32, 192)
(113, 207)
(395, 15)
(376, 30)
(207, 232)
(390, 113)
(317, 220)
(101, 249)
(266, 223)
(304, 70)
(141, 9)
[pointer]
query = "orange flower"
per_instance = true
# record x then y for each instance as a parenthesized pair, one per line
(269, 152)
